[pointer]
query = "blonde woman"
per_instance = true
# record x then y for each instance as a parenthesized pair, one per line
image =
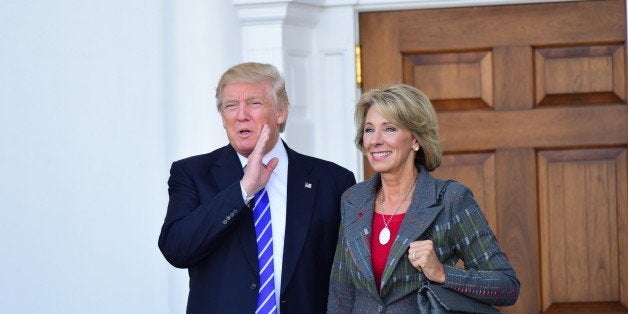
(379, 263)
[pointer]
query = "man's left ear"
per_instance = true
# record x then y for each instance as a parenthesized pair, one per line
(282, 115)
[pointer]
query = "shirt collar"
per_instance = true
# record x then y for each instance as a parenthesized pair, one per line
(278, 151)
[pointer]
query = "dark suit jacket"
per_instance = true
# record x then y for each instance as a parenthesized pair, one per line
(209, 230)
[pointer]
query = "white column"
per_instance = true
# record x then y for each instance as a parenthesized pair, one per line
(335, 89)
(318, 64)
(281, 33)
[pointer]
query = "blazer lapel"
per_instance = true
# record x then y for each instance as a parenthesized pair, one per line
(358, 229)
(419, 217)
(302, 187)
(227, 171)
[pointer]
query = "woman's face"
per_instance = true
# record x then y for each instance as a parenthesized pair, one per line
(388, 147)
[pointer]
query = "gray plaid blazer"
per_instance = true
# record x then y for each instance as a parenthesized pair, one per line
(459, 231)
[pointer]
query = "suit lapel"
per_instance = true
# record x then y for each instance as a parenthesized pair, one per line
(358, 229)
(227, 171)
(302, 187)
(419, 217)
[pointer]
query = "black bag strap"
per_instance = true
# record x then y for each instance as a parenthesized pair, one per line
(441, 194)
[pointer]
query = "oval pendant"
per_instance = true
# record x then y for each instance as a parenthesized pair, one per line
(384, 236)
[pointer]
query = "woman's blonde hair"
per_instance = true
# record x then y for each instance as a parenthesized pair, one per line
(406, 107)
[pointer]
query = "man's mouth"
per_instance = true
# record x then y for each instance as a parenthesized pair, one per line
(244, 132)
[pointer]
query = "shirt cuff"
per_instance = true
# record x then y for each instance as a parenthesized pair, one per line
(247, 199)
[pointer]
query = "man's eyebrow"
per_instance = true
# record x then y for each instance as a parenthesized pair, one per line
(256, 97)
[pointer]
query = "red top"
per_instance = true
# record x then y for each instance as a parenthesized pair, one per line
(379, 252)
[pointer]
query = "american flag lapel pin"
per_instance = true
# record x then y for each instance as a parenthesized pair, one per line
(308, 185)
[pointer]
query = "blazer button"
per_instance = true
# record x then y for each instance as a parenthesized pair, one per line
(253, 286)
(380, 308)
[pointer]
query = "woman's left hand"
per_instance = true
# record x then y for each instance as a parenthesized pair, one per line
(422, 256)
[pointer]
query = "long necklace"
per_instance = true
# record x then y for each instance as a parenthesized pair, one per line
(384, 235)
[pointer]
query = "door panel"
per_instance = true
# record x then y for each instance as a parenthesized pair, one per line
(580, 229)
(531, 102)
(580, 75)
(470, 72)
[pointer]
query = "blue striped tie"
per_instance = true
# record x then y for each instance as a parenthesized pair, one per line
(266, 302)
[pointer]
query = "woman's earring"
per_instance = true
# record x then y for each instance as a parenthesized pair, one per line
(416, 148)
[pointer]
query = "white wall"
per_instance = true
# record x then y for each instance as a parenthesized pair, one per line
(96, 99)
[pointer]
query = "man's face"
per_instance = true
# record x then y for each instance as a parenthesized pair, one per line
(246, 107)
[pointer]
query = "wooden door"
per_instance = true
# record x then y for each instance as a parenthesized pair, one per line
(531, 101)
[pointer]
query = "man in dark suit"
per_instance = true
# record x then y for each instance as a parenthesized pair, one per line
(247, 253)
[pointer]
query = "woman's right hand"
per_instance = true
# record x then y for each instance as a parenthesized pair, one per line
(423, 257)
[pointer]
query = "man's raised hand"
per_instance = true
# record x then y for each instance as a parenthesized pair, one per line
(257, 174)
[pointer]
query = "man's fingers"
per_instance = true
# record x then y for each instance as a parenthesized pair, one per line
(270, 166)
(263, 139)
(258, 150)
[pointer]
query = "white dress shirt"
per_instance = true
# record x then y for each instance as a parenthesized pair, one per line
(277, 189)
